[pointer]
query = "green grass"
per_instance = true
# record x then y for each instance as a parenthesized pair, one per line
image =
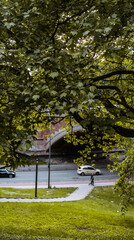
(30, 193)
(97, 217)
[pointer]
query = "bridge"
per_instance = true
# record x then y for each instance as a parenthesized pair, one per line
(40, 146)
(59, 147)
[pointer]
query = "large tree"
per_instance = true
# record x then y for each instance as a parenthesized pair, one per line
(73, 57)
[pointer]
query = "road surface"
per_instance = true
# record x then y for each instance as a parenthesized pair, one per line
(27, 178)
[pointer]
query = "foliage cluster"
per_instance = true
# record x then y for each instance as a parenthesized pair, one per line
(68, 58)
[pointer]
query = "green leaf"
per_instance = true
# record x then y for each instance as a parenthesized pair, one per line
(9, 25)
(86, 33)
(72, 110)
(53, 92)
(37, 51)
(63, 95)
(70, 41)
(92, 88)
(35, 97)
(73, 92)
(54, 74)
(80, 84)
(73, 32)
(107, 29)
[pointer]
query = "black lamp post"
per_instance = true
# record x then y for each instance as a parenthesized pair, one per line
(49, 160)
(36, 178)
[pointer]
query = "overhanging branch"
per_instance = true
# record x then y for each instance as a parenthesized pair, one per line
(120, 94)
(125, 132)
(108, 75)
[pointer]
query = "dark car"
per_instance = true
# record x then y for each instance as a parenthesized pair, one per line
(7, 173)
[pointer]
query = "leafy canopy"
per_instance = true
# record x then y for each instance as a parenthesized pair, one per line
(73, 58)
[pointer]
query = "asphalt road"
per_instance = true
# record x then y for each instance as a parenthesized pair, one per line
(27, 177)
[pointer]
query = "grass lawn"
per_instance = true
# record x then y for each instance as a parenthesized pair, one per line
(30, 193)
(96, 217)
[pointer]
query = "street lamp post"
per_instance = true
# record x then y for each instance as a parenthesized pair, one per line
(49, 160)
(36, 178)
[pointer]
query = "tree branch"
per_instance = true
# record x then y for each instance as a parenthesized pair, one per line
(12, 69)
(125, 132)
(102, 77)
(79, 119)
(123, 100)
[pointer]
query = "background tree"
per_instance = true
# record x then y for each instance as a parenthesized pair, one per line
(72, 58)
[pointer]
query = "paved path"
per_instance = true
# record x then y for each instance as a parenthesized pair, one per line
(80, 193)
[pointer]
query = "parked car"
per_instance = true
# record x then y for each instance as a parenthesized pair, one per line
(7, 173)
(88, 170)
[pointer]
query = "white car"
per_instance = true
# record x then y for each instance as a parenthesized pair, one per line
(88, 170)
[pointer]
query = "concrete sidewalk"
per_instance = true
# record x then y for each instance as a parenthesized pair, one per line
(80, 193)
